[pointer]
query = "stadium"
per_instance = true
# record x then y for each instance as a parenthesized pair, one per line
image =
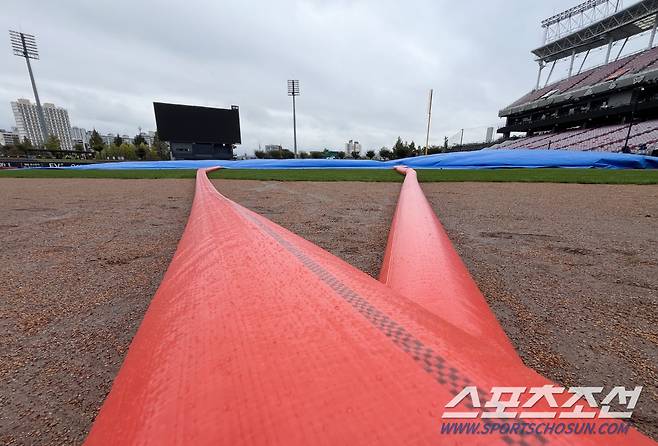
(486, 292)
(612, 107)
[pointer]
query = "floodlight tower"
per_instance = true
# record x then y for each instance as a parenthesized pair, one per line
(293, 90)
(25, 45)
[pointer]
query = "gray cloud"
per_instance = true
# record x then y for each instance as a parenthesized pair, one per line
(365, 67)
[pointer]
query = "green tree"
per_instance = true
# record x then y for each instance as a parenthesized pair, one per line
(161, 147)
(275, 154)
(117, 140)
(138, 140)
(112, 151)
(140, 148)
(286, 154)
(96, 142)
(20, 149)
(16, 150)
(127, 151)
(370, 154)
(78, 146)
(304, 155)
(52, 143)
(400, 149)
(316, 154)
(355, 155)
(385, 154)
(341, 155)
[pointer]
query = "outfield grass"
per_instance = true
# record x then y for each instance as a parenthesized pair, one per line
(594, 176)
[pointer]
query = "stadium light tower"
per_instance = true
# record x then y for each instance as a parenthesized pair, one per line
(25, 45)
(293, 90)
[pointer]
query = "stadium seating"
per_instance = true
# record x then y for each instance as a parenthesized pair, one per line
(609, 138)
(633, 64)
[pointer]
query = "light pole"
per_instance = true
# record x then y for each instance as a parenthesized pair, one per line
(429, 121)
(627, 149)
(293, 90)
(25, 45)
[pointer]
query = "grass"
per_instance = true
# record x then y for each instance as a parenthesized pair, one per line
(591, 176)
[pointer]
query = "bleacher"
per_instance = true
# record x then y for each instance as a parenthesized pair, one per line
(643, 139)
(611, 107)
(629, 65)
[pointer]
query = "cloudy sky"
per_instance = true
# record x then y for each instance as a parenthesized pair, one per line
(365, 67)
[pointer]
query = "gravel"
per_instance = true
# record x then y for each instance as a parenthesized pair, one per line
(569, 270)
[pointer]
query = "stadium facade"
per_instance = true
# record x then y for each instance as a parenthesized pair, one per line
(611, 107)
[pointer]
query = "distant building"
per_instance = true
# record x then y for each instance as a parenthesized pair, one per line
(109, 138)
(80, 136)
(149, 137)
(489, 136)
(9, 138)
(352, 146)
(272, 147)
(27, 121)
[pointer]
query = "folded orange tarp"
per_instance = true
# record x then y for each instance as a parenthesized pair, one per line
(257, 336)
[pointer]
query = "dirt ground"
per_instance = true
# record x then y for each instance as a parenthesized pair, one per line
(569, 270)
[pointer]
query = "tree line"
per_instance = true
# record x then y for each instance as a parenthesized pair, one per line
(313, 154)
(401, 149)
(137, 149)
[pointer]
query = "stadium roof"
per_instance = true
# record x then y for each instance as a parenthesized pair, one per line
(628, 22)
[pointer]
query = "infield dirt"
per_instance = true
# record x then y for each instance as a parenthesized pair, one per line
(568, 269)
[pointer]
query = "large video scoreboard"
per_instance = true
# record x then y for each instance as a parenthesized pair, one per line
(196, 132)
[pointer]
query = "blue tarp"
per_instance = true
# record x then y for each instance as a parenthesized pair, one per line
(481, 159)
(490, 159)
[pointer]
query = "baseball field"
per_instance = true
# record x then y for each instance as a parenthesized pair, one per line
(568, 269)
